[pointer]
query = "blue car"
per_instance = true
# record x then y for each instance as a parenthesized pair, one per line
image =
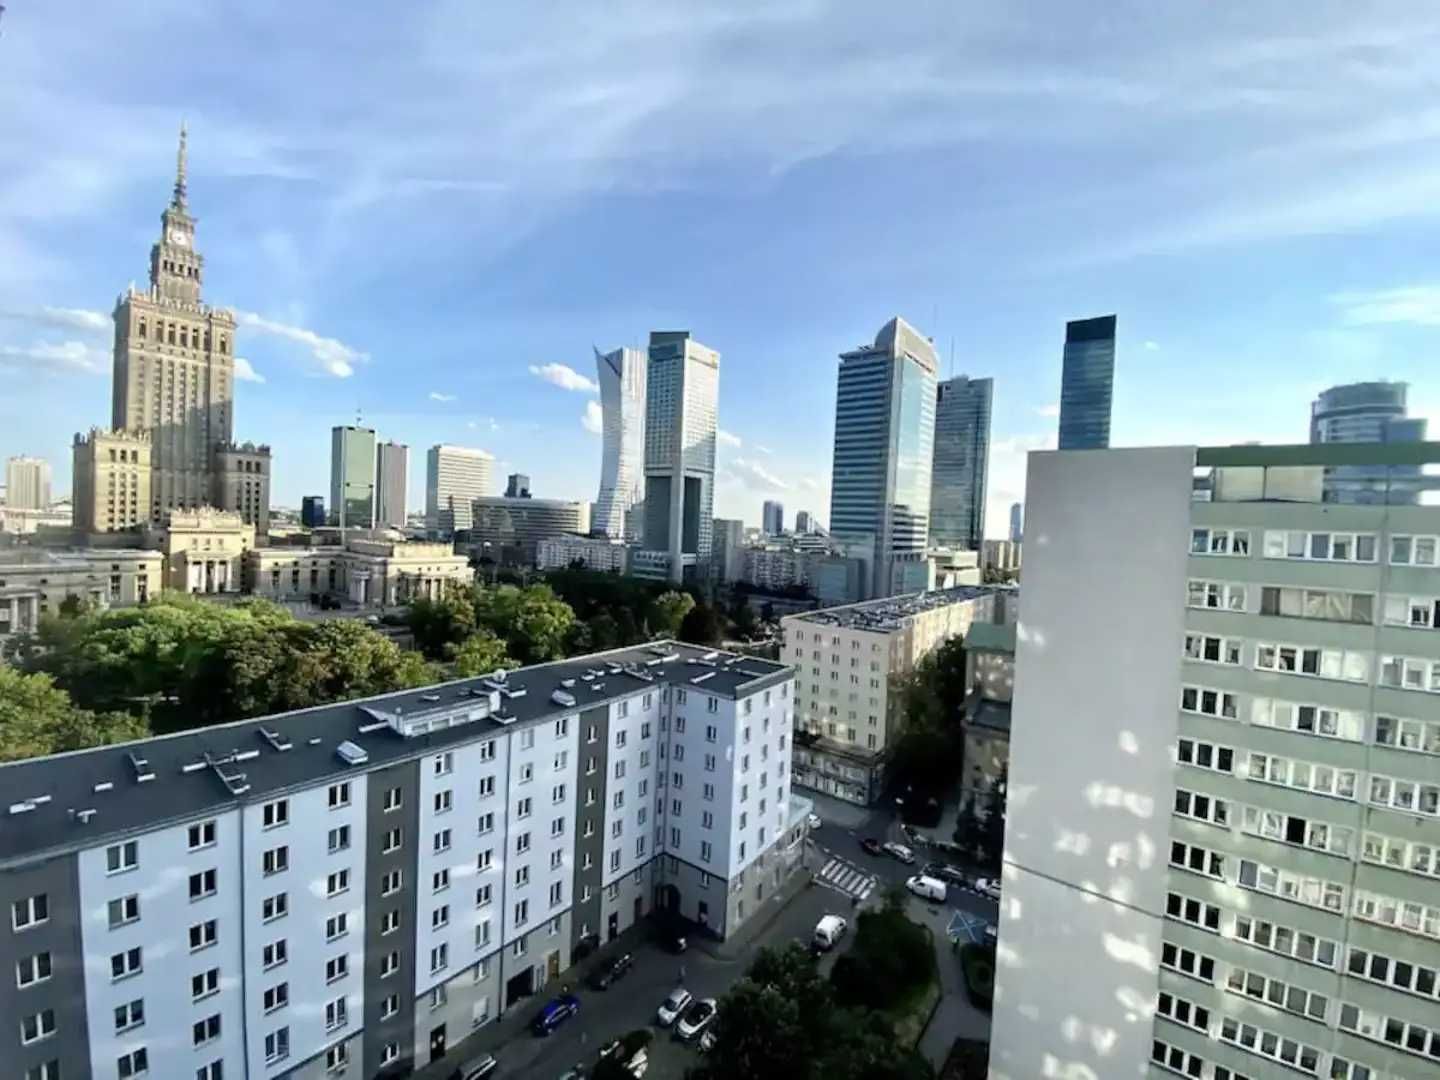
(555, 1013)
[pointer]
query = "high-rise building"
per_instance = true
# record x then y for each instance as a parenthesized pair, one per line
(1231, 810)
(508, 529)
(621, 374)
(27, 483)
(455, 476)
(517, 486)
(1369, 412)
(681, 400)
(884, 441)
(727, 551)
(1087, 383)
(242, 482)
(804, 522)
(772, 518)
(392, 481)
(339, 894)
(1017, 522)
(352, 477)
(112, 477)
(960, 466)
(312, 511)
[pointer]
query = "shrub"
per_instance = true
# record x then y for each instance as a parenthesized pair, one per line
(978, 965)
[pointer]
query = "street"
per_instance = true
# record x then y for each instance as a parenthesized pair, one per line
(709, 969)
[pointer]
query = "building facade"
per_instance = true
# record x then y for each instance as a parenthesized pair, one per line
(960, 467)
(35, 582)
(884, 443)
(352, 477)
(455, 476)
(204, 550)
(594, 552)
(392, 481)
(1370, 412)
(27, 483)
(509, 530)
(621, 374)
(517, 486)
(682, 398)
(242, 483)
(772, 518)
(1017, 522)
(357, 888)
(727, 550)
(370, 573)
(845, 660)
(312, 511)
(1087, 383)
(776, 567)
(804, 522)
(113, 471)
(1227, 753)
(1001, 555)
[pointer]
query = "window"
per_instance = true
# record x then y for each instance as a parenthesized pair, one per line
(30, 911)
(1213, 649)
(390, 882)
(705, 850)
(339, 794)
(483, 895)
(1308, 719)
(126, 963)
(487, 750)
(439, 958)
(527, 772)
(274, 954)
(485, 859)
(37, 1026)
(1175, 1059)
(391, 841)
(1220, 542)
(337, 926)
(1327, 605)
(1287, 941)
(277, 1045)
(1197, 859)
(1268, 1044)
(201, 835)
(522, 912)
(135, 1063)
(1305, 775)
(335, 1014)
(557, 827)
(444, 763)
(1222, 595)
(1410, 673)
(392, 801)
(122, 857)
(337, 1057)
(486, 823)
(1197, 913)
(1415, 918)
(522, 843)
(390, 921)
(615, 860)
(1403, 975)
(389, 1006)
(440, 917)
(1197, 699)
(202, 1031)
(389, 964)
(444, 800)
(482, 933)
(1324, 546)
(1345, 665)
(1205, 755)
(524, 807)
(125, 910)
(1200, 807)
(275, 813)
(1414, 735)
(1411, 857)
(1281, 995)
(1311, 891)
(390, 1053)
(1183, 1012)
(442, 841)
(276, 860)
(129, 1016)
(1290, 829)
(440, 880)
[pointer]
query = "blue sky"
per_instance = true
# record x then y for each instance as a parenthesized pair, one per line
(413, 206)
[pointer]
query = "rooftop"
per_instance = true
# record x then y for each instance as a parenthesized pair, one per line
(990, 637)
(890, 613)
(91, 797)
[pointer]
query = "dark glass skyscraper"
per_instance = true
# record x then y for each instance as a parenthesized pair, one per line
(1368, 412)
(961, 462)
(1086, 383)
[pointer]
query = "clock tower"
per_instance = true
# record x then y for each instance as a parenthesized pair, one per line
(175, 265)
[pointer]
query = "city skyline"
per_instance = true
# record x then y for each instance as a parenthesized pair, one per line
(1293, 217)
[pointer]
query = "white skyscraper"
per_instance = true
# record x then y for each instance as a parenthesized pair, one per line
(681, 397)
(622, 464)
(27, 483)
(455, 476)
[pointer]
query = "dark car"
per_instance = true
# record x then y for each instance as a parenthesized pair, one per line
(476, 1068)
(555, 1013)
(872, 846)
(605, 974)
(945, 872)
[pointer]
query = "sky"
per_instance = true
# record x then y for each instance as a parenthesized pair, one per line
(428, 214)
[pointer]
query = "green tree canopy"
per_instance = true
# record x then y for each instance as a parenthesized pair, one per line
(668, 611)
(443, 623)
(702, 625)
(479, 654)
(38, 718)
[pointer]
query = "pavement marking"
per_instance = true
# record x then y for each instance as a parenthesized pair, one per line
(847, 878)
(965, 924)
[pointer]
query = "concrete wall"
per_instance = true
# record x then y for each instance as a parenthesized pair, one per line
(399, 1028)
(590, 834)
(1091, 778)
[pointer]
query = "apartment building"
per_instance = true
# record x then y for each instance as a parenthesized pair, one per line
(845, 658)
(1224, 799)
(354, 889)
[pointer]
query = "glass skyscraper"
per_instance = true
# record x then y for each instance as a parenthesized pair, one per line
(1368, 412)
(352, 477)
(884, 442)
(1087, 383)
(621, 375)
(961, 464)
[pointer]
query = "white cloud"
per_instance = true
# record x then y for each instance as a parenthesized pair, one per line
(1008, 462)
(810, 483)
(755, 476)
(61, 318)
(244, 372)
(69, 356)
(328, 355)
(435, 395)
(567, 378)
(1152, 346)
(1048, 410)
(725, 438)
(762, 449)
(1417, 305)
(593, 418)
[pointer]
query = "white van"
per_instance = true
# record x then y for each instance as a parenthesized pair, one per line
(828, 931)
(927, 888)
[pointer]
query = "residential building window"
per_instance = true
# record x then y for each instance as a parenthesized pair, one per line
(1214, 649)
(37, 1026)
(1410, 916)
(390, 882)
(1291, 829)
(1341, 664)
(201, 835)
(125, 910)
(441, 841)
(129, 1016)
(335, 1014)
(1322, 720)
(339, 839)
(1207, 702)
(393, 800)
(1328, 605)
(1212, 541)
(1183, 1012)
(1305, 775)
(1415, 735)
(275, 907)
(276, 813)
(1197, 913)
(135, 1063)
(126, 963)
(277, 1045)
(1222, 595)
(1175, 1059)
(276, 860)
(337, 926)
(1205, 755)
(337, 967)
(30, 911)
(444, 800)
(1410, 673)
(122, 857)
(1287, 941)
(1271, 1045)
(1187, 962)
(1276, 992)
(274, 954)
(1197, 859)
(444, 764)
(203, 935)
(339, 795)
(1323, 546)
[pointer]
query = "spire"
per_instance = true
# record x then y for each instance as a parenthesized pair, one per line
(178, 201)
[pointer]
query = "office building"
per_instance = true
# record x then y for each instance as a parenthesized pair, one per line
(1087, 383)
(884, 441)
(36, 581)
(369, 572)
(517, 486)
(242, 483)
(113, 471)
(312, 511)
(352, 477)
(1228, 835)
(357, 888)
(621, 374)
(590, 552)
(27, 483)
(960, 465)
(509, 530)
(1001, 556)
(846, 661)
(682, 391)
(455, 476)
(1017, 522)
(1370, 412)
(804, 522)
(727, 552)
(772, 518)
(392, 483)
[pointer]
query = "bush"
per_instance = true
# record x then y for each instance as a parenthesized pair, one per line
(978, 965)
(891, 956)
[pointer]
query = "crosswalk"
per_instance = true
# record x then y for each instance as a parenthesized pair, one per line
(845, 877)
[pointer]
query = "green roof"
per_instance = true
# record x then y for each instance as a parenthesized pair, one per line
(1395, 453)
(988, 637)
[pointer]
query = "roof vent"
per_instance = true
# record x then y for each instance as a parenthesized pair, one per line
(84, 816)
(365, 729)
(351, 754)
(567, 683)
(710, 656)
(22, 807)
(234, 782)
(141, 767)
(560, 697)
(429, 697)
(598, 687)
(702, 677)
(513, 692)
(276, 740)
(104, 785)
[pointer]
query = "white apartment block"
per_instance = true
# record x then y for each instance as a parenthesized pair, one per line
(1222, 848)
(845, 659)
(595, 552)
(455, 476)
(354, 889)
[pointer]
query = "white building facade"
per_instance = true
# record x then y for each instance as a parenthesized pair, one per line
(621, 374)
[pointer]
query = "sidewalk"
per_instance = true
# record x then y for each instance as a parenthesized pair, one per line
(739, 943)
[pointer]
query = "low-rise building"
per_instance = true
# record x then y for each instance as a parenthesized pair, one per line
(1002, 556)
(509, 530)
(204, 549)
(990, 674)
(368, 572)
(593, 552)
(36, 581)
(845, 660)
(17, 521)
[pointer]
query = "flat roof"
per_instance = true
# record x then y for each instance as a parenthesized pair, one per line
(888, 614)
(991, 637)
(1334, 453)
(91, 797)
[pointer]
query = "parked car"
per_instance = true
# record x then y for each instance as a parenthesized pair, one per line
(829, 930)
(605, 974)
(899, 851)
(696, 1018)
(555, 1013)
(671, 1008)
(476, 1068)
(813, 821)
(927, 888)
(872, 846)
(945, 872)
(989, 887)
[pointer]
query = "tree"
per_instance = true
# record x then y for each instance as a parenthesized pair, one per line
(743, 616)
(668, 611)
(968, 827)
(438, 624)
(701, 626)
(479, 654)
(992, 830)
(38, 718)
(533, 621)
